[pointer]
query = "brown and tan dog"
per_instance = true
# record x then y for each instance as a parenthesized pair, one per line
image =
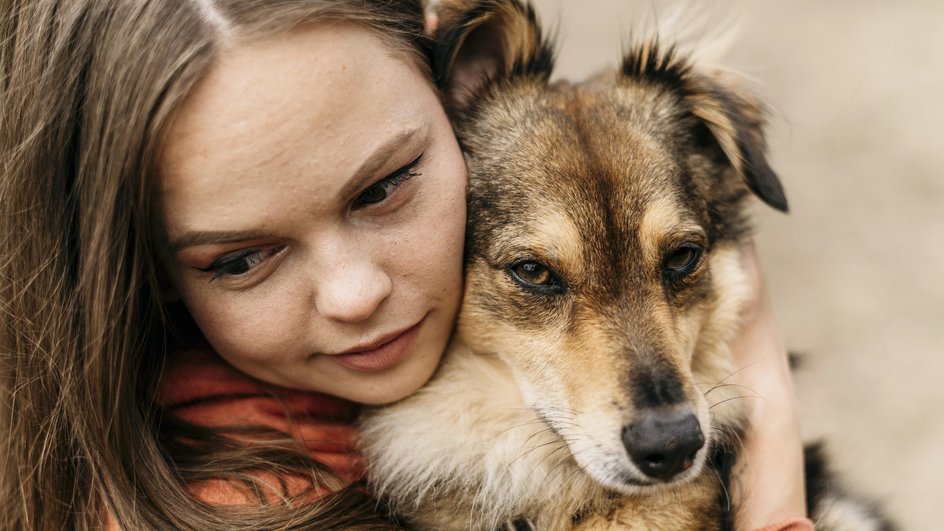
(585, 387)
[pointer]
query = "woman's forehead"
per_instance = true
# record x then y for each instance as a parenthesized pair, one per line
(313, 98)
(314, 102)
(323, 85)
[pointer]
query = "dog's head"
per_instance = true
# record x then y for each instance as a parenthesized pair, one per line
(604, 227)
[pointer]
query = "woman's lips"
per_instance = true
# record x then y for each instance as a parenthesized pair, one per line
(383, 356)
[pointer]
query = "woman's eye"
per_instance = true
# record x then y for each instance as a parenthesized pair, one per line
(535, 275)
(239, 264)
(682, 261)
(382, 189)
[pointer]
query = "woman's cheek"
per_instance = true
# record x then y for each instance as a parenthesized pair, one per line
(250, 326)
(436, 241)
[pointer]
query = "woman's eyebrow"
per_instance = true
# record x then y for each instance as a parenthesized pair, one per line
(194, 238)
(375, 162)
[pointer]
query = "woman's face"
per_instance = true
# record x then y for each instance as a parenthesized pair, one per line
(313, 204)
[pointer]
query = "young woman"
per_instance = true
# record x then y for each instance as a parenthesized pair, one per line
(223, 224)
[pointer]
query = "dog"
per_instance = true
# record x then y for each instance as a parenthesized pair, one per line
(584, 386)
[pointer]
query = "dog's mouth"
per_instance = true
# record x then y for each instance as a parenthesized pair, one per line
(621, 476)
(657, 449)
(637, 479)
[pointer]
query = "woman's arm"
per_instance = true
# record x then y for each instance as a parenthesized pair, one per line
(768, 481)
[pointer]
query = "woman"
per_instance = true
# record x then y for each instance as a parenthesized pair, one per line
(265, 194)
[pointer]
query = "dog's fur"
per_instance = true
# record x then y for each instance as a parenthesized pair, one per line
(603, 188)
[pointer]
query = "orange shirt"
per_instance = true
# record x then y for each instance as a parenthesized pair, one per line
(201, 388)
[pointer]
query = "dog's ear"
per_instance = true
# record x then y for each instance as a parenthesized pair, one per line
(736, 120)
(480, 42)
(733, 116)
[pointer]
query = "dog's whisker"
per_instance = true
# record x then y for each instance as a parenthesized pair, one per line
(545, 458)
(522, 425)
(722, 385)
(562, 444)
(734, 398)
(724, 489)
(736, 371)
(536, 447)
(576, 472)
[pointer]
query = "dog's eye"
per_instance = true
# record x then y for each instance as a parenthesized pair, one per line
(535, 275)
(682, 261)
(532, 273)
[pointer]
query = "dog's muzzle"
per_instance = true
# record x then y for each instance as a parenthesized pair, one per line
(663, 441)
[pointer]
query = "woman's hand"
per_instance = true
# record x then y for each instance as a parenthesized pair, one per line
(768, 481)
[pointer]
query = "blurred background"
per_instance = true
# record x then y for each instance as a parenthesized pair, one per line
(856, 270)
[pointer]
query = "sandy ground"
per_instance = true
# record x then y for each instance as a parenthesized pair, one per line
(855, 270)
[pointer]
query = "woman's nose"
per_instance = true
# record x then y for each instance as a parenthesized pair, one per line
(352, 292)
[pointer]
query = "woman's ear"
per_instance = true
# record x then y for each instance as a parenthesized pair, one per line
(481, 42)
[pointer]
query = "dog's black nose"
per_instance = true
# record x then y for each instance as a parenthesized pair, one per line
(663, 441)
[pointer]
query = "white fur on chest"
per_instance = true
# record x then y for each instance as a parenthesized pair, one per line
(468, 449)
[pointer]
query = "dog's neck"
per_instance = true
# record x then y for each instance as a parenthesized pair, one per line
(496, 455)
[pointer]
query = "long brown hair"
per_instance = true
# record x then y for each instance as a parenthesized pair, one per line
(87, 87)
